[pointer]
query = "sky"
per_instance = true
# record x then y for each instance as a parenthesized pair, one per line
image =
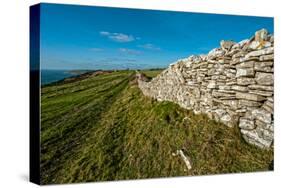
(87, 37)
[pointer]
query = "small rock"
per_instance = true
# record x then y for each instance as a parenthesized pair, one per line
(249, 96)
(267, 57)
(262, 115)
(261, 35)
(186, 159)
(266, 126)
(245, 81)
(247, 124)
(253, 137)
(264, 51)
(245, 72)
(267, 108)
(212, 84)
(227, 120)
(244, 103)
(246, 64)
(264, 78)
(239, 88)
(262, 93)
(226, 44)
(257, 45)
(264, 69)
(217, 52)
(269, 103)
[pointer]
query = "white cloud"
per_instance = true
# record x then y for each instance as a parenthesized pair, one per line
(129, 51)
(105, 33)
(149, 46)
(118, 37)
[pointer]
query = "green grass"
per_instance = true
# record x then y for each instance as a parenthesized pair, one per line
(151, 73)
(103, 128)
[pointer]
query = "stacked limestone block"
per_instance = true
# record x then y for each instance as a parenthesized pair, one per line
(233, 84)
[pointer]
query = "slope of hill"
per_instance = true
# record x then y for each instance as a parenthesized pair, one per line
(101, 127)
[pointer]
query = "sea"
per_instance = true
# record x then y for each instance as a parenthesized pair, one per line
(49, 76)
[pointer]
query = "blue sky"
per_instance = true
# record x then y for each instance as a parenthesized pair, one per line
(86, 37)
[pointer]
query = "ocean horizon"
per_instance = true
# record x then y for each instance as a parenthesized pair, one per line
(49, 76)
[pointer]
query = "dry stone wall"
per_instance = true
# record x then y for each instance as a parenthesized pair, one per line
(232, 84)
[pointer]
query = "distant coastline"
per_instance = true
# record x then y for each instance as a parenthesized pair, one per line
(50, 76)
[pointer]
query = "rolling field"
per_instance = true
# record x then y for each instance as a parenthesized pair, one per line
(102, 128)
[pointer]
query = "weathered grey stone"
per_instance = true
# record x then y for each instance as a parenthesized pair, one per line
(270, 99)
(233, 103)
(262, 115)
(261, 35)
(247, 124)
(266, 134)
(264, 78)
(271, 39)
(269, 103)
(229, 97)
(224, 61)
(252, 141)
(220, 112)
(227, 120)
(249, 96)
(264, 51)
(245, 81)
(222, 94)
(267, 108)
(263, 69)
(267, 57)
(239, 88)
(230, 83)
(212, 84)
(226, 44)
(265, 66)
(230, 75)
(245, 64)
(243, 103)
(224, 87)
(241, 43)
(246, 58)
(252, 136)
(262, 93)
(194, 58)
(249, 72)
(261, 87)
(217, 52)
(256, 45)
(266, 126)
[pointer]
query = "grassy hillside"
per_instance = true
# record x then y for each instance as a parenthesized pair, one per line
(102, 128)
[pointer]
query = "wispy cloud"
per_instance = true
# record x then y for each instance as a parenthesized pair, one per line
(149, 46)
(129, 51)
(118, 37)
(96, 49)
(105, 33)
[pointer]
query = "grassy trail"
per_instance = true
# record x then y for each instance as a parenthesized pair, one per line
(103, 128)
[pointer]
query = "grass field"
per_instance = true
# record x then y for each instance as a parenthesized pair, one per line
(102, 128)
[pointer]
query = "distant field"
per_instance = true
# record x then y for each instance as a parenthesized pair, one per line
(151, 73)
(103, 128)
